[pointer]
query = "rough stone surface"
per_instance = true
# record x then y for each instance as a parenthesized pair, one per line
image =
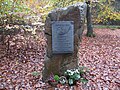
(57, 64)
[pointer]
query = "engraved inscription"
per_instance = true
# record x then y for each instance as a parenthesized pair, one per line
(62, 37)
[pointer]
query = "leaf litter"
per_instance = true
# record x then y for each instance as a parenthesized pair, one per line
(21, 63)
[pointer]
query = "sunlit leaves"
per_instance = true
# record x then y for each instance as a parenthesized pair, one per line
(63, 3)
(105, 13)
(11, 6)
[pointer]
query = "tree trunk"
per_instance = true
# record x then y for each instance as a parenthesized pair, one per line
(89, 21)
(107, 1)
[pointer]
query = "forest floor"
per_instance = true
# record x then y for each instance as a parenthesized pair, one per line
(22, 63)
(102, 56)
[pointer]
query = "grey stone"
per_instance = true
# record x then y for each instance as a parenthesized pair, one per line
(58, 63)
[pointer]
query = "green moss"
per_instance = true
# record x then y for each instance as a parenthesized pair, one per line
(113, 27)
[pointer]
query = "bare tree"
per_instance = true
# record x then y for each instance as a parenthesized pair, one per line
(89, 21)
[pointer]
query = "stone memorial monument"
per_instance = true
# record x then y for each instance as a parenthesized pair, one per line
(63, 29)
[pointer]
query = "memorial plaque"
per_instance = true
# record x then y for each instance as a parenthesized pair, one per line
(62, 37)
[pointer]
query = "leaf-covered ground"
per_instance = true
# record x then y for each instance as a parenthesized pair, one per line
(102, 56)
(21, 63)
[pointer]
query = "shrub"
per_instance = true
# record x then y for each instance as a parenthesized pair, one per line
(104, 13)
